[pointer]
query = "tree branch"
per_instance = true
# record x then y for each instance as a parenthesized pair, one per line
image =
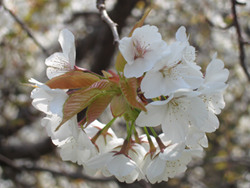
(76, 175)
(32, 151)
(241, 41)
(100, 4)
(25, 27)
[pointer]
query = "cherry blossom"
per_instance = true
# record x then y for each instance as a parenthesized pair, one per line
(69, 128)
(78, 150)
(171, 73)
(141, 50)
(60, 63)
(175, 114)
(169, 84)
(49, 101)
(166, 163)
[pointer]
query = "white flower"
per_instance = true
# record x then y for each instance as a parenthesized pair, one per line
(211, 92)
(49, 101)
(119, 165)
(169, 162)
(60, 63)
(175, 114)
(78, 150)
(141, 50)
(69, 128)
(173, 71)
(162, 168)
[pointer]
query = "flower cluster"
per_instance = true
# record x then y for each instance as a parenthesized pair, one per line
(156, 85)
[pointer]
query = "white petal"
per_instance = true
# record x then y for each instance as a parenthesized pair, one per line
(181, 34)
(173, 130)
(121, 165)
(58, 64)
(211, 124)
(215, 72)
(67, 41)
(172, 152)
(99, 161)
(151, 84)
(126, 49)
(152, 118)
(155, 168)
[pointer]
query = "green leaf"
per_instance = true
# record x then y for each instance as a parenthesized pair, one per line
(106, 74)
(72, 80)
(77, 102)
(97, 107)
(118, 105)
(129, 90)
(131, 114)
(120, 61)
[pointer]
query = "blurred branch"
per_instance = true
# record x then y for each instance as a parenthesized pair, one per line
(76, 175)
(25, 27)
(100, 4)
(32, 151)
(241, 41)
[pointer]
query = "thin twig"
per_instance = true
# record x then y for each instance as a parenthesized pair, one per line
(25, 27)
(100, 4)
(241, 41)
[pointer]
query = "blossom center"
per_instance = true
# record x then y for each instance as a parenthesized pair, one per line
(170, 71)
(140, 48)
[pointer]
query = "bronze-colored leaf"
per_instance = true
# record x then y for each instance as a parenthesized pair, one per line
(97, 107)
(72, 80)
(118, 105)
(129, 90)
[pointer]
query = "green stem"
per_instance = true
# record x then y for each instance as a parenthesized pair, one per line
(137, 139)
(102, 130)
(153, 131)
(129, 130)
(151, 144)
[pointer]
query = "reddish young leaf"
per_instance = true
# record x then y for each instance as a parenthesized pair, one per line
(72, 80)
(97, 107)
(120, 61)
(77, 102)
(118, 105)
(102, 84)
(129, 90)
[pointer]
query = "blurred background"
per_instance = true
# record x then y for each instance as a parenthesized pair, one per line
(28, 35)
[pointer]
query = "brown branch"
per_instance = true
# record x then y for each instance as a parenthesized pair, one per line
(241, 41)
(25, 27)
(32, 151)
(100, 4)
(100, 41)
(77, 175)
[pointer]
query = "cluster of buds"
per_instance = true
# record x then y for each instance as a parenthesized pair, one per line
(156, 84)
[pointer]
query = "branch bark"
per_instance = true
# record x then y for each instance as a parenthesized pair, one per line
(25, 28)
(241, 41)
(100, 4)
(100, 41)
(31, 151)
